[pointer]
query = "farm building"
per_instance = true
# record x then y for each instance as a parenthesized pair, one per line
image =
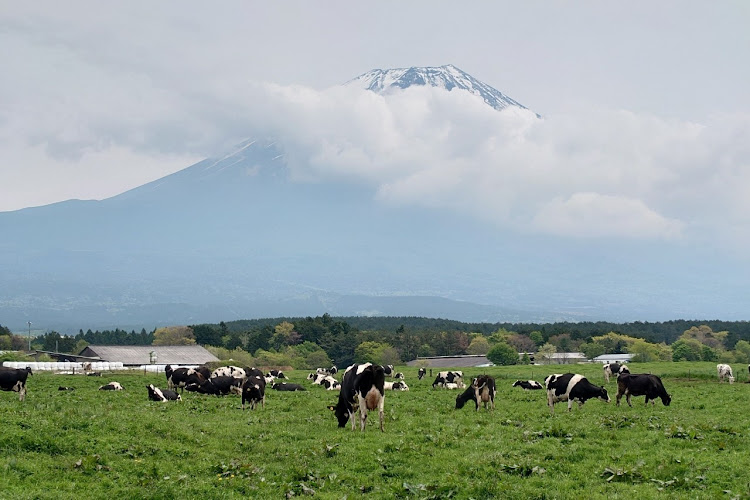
(466, 361)
(563, 358)
(137, 355)
(613, 358)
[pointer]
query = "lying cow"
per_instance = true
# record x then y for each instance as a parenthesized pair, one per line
(180, 377)
(642, 385)
(614, 369)
(449, 377)
(287, 387)
(363, 385)
(14, 379)
(112, 386)
(162, 395)
(481, 389)
(725, 372)
(388, 370)
(528, 385)
(396, 386)
(276, 374)
(254, 392)
(572, 387)
(217, 386)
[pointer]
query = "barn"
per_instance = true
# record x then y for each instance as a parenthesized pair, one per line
(139, 355)
(462, 361)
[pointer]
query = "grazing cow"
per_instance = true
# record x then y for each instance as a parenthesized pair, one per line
(287, 387)
(14, 379)
(572, 387)
(276, 374)
(112, 386)
(421, 373)
(363, 385)
(449, 377)
(388, 370)
(614, 369)
(725, 372)
(180, 377)
(162, 395)
(528, 385)
(230, 371)
(65, 388)
(217, 386)
(254, 392)
(642, 385)
(481, 389)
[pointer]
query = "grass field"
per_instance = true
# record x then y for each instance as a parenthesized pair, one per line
(91, 444)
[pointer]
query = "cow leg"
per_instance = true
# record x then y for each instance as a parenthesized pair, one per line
(619, 397)
(570, 405)
(627, 397)
(362, 419)
(22, 393)
(381, 413)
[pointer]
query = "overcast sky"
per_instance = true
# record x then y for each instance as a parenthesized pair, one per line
(645, 105)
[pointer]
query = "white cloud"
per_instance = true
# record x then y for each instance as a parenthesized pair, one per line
(608, 173)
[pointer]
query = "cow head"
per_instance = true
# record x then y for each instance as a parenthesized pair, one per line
(342, 414)
(603, 394)
(666, 399)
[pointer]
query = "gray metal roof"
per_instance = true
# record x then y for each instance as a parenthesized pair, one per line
(469, 360)
(141, 354)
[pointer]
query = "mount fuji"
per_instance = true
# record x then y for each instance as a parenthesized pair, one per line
(236, 237)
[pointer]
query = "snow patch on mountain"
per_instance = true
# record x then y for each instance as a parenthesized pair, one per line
(447, 77)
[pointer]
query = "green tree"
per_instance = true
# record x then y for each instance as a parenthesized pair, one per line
(370, 352)
(592, 349)
(687, 350)
(525, 359)
(742, 351)
(174, 335)
(503, 353)
(537, 337)
(478, 345)
(546, 351)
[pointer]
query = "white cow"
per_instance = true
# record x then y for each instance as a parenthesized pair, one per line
(725, 372)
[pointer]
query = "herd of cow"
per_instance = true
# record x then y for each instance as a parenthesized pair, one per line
(363, 386)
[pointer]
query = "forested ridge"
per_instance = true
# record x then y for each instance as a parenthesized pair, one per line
(303, 342)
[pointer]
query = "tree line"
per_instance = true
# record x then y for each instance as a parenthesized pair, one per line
(311, 342)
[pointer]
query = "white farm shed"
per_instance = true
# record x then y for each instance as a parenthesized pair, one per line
(613, 358)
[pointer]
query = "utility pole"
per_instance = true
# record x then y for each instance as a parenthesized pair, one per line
(29, 336)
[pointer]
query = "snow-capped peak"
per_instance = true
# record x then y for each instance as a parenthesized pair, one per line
(448, 77)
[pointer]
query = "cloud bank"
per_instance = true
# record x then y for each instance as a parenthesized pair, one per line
(592, 174)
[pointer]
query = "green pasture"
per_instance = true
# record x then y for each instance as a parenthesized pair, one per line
(94, 444)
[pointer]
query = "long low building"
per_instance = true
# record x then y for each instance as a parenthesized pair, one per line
(139, 355)
(463, 361)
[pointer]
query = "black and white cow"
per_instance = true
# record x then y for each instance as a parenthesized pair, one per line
(14, 379)
(66, 388)
(449, 377)
(112, 386)
(481, 389)
(276, 374)
(572, 387)
(725, 372)
(399, 375)
(614, 369)
(204, 371)
(363, 385)
(399, 385)
(330, 383)
(388, 370)
(421, 373)
(254, 392)
(180, 377)
(528, 385)
(642, 385)
(217, 386)
(231, 371)
(333, 370)
(162, 395)
(287, 387)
